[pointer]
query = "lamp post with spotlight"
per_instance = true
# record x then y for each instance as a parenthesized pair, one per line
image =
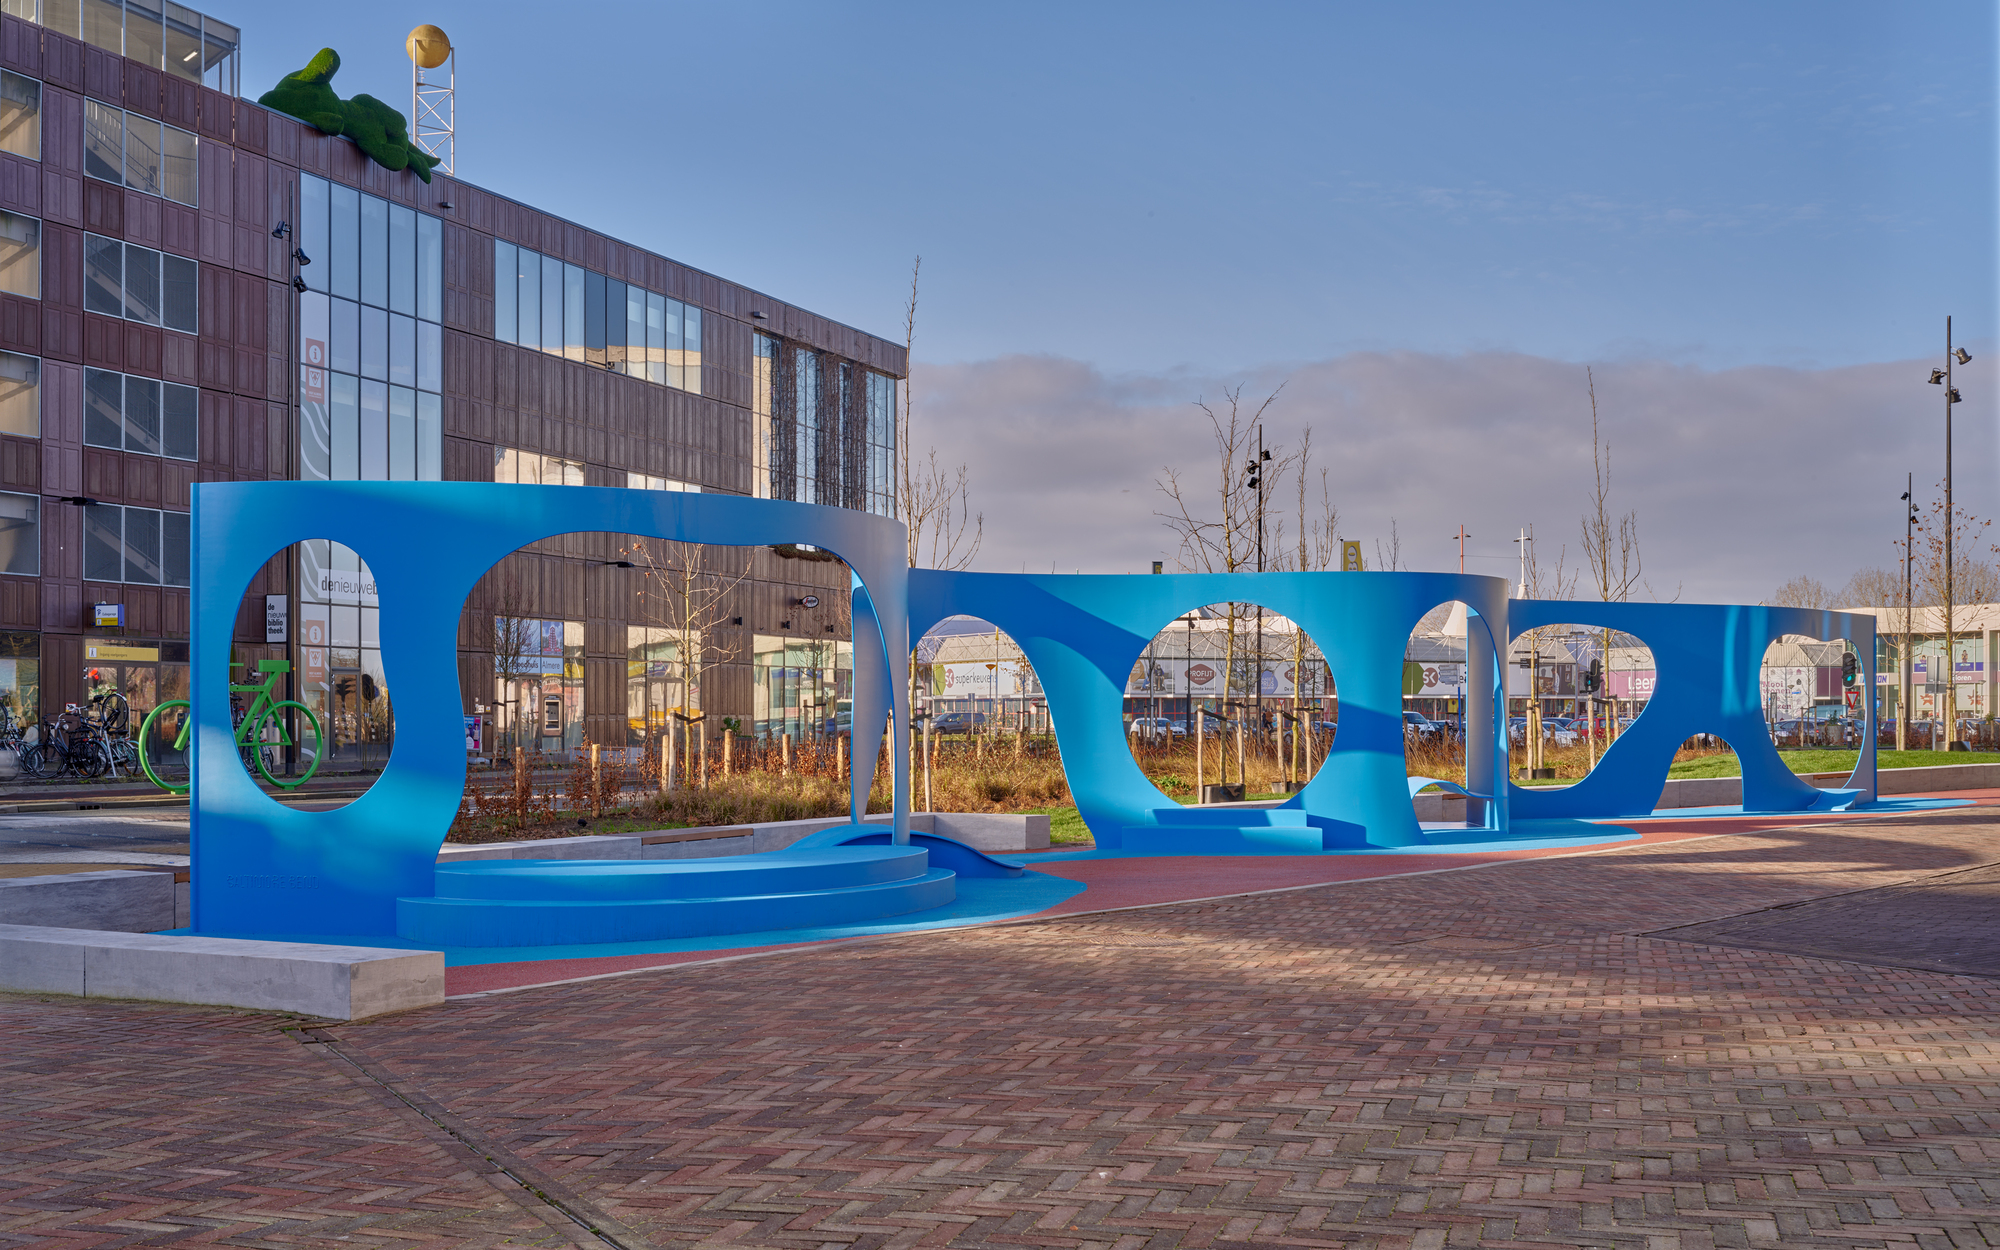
(1942, 377)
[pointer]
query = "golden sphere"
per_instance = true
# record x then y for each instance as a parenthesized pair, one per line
(429, 46)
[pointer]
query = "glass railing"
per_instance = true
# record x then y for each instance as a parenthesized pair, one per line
(159, 33)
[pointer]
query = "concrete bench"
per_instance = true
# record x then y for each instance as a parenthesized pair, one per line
(119, 900)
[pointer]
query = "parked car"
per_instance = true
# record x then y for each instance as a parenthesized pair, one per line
(1156, 727)
(1553, 730)
(957, 722)
(1415, 725)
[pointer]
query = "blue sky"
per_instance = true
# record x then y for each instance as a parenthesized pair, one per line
(1174, 198)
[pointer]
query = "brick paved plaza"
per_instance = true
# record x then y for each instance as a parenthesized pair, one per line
(1509, 1056)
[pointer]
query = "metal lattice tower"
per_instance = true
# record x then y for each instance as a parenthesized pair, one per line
(433, 86)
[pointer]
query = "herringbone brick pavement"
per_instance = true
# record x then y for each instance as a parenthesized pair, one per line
(1498, 1057)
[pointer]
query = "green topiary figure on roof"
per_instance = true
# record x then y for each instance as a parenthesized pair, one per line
(377, 129)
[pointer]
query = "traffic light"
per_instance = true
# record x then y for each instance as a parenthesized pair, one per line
(1850, 668)
(1594, 677)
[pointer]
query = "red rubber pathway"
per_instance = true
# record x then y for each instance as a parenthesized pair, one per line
(1518, 1056)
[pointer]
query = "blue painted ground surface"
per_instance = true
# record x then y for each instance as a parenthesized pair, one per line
(979, 899)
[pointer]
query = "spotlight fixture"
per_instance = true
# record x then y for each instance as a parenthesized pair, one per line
(1937, 377)
(82, 501)
(829, 629)
(735, 620)
(784, 624)
(1964, 357)
(299, 284)
(616, 564)
(1954, 397)
(756, 316)
(299, 255)
(280, 230)
(445, 205)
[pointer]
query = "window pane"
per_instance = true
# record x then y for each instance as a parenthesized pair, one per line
(63, 15)
(20, 534)
(20, 395)
(374, 432)
(374, 343)
(174, 548)
(313, 210)
(142, 284)
(343, 345)
(572, 473)
(103, 408)
(103, 275)
(573, 298)
(142, 546)
(593, 317)
(691, 349)
(552, 305)
(183, 51)
(178, 288)
(430, 267)
(21, 255)
(343, 244)
(506, 288)
(20, 116)
(374, 251)
(103, 141)
(635, 331)
(178, 166)
(402, 350)
(674, 354)
(402, 260)
(614, 325)
(142, 153)
(529, 278)
(142, 415)
(430, 374)
(506, 465)
(144, 39)
(180, 421)
(104, 542)
(344, 414)
(656, 338)
(104, 25)
(402, 434)
(430, 437)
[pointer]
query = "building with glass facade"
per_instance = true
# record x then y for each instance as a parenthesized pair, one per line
(196, 289)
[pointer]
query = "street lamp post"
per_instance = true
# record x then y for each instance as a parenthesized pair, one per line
(1906, 670)
(1942, 377)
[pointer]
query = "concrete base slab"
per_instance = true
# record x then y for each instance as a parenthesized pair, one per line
(334, 982)
(120, 901)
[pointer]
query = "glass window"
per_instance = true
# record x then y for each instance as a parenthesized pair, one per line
(552, 305)
(430, 267)
(343, 244)
(670, 373)
(104, 542)
(142, 546)
(635, 331)
(63, 15)
(142, 416)
(180, 420)
(343, 341)
(103, 275)
(374, 343)
(402, 434)
(656, 338)
(20, 395)
(402, 350)
(573, 301)
(104, 25)
(344, 415)
(20, 534)
(178, 166)
(145, 40)
(21, 255)
(507, 465)
(313, 210)
(103, 141)
(506, 289)
(593, 317)
(219, 42)
(374, 432)
(20, 116)
(183, 47)
(402, 260)
(178, 289)
(103, 408)
(430, 374)
(142, 284)
(614, 325)
(175, 548)
(142, 154)
(374, 251)
(528, 279)
(430, 438)
(691, 349)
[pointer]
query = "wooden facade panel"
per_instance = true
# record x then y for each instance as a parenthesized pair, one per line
(21, 464)
(249, 324)
(103, 208)
(142, 218)
(215, 117)
(252, 126)
(217, 365)
(20, 603)
(142, 88)
(62, 333)
(104, 75)
(62, 266)
(175, 478)
(215, 163)
(21, 46)
(277, 442)
(62, 541)
(180, 103)
(103, 342)
(20, 325)
(20, 184)
(247, 378)
(142, 479)
(180, 229)
(247, 430)
(62, 61)
(142, 349)
(179, 359)
(214, 442)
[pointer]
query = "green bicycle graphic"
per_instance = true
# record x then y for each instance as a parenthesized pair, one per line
(263, 733)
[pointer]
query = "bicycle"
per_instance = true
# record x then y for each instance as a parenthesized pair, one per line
(262, 732)
(64, 747)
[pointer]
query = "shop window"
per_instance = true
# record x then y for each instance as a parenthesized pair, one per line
(140, 414)
(20, 676)
(21, 255)
(20, 395)
(139, 545)
(20, 115)
(20, 534)
(140, 284)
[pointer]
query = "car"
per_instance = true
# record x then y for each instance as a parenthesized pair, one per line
(1417, 726)
(1553, 730)
(957, 722)
(1157, 727)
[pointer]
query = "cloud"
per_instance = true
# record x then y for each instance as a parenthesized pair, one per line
(1741, 478)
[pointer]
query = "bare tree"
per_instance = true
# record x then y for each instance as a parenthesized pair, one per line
(1872, 588)
(1610, 547)
(1968, 580)
(1318, 523)
(1803, 592)
(515, 637)
(685, 592)
(934, 501)
(1391, 559)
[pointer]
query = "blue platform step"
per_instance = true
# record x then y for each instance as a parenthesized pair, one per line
(1224, 831)
(545, 902)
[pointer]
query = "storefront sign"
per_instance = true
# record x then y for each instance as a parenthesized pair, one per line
(474, 733)
(94, 649)
(107, 615)
(277, 618)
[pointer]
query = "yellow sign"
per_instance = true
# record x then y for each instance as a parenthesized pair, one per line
(1350, 558)
(104, 651)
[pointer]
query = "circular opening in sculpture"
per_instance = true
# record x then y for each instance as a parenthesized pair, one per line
(1230, 701)
(1572, 691)
(983, 740)
(1816, 703)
